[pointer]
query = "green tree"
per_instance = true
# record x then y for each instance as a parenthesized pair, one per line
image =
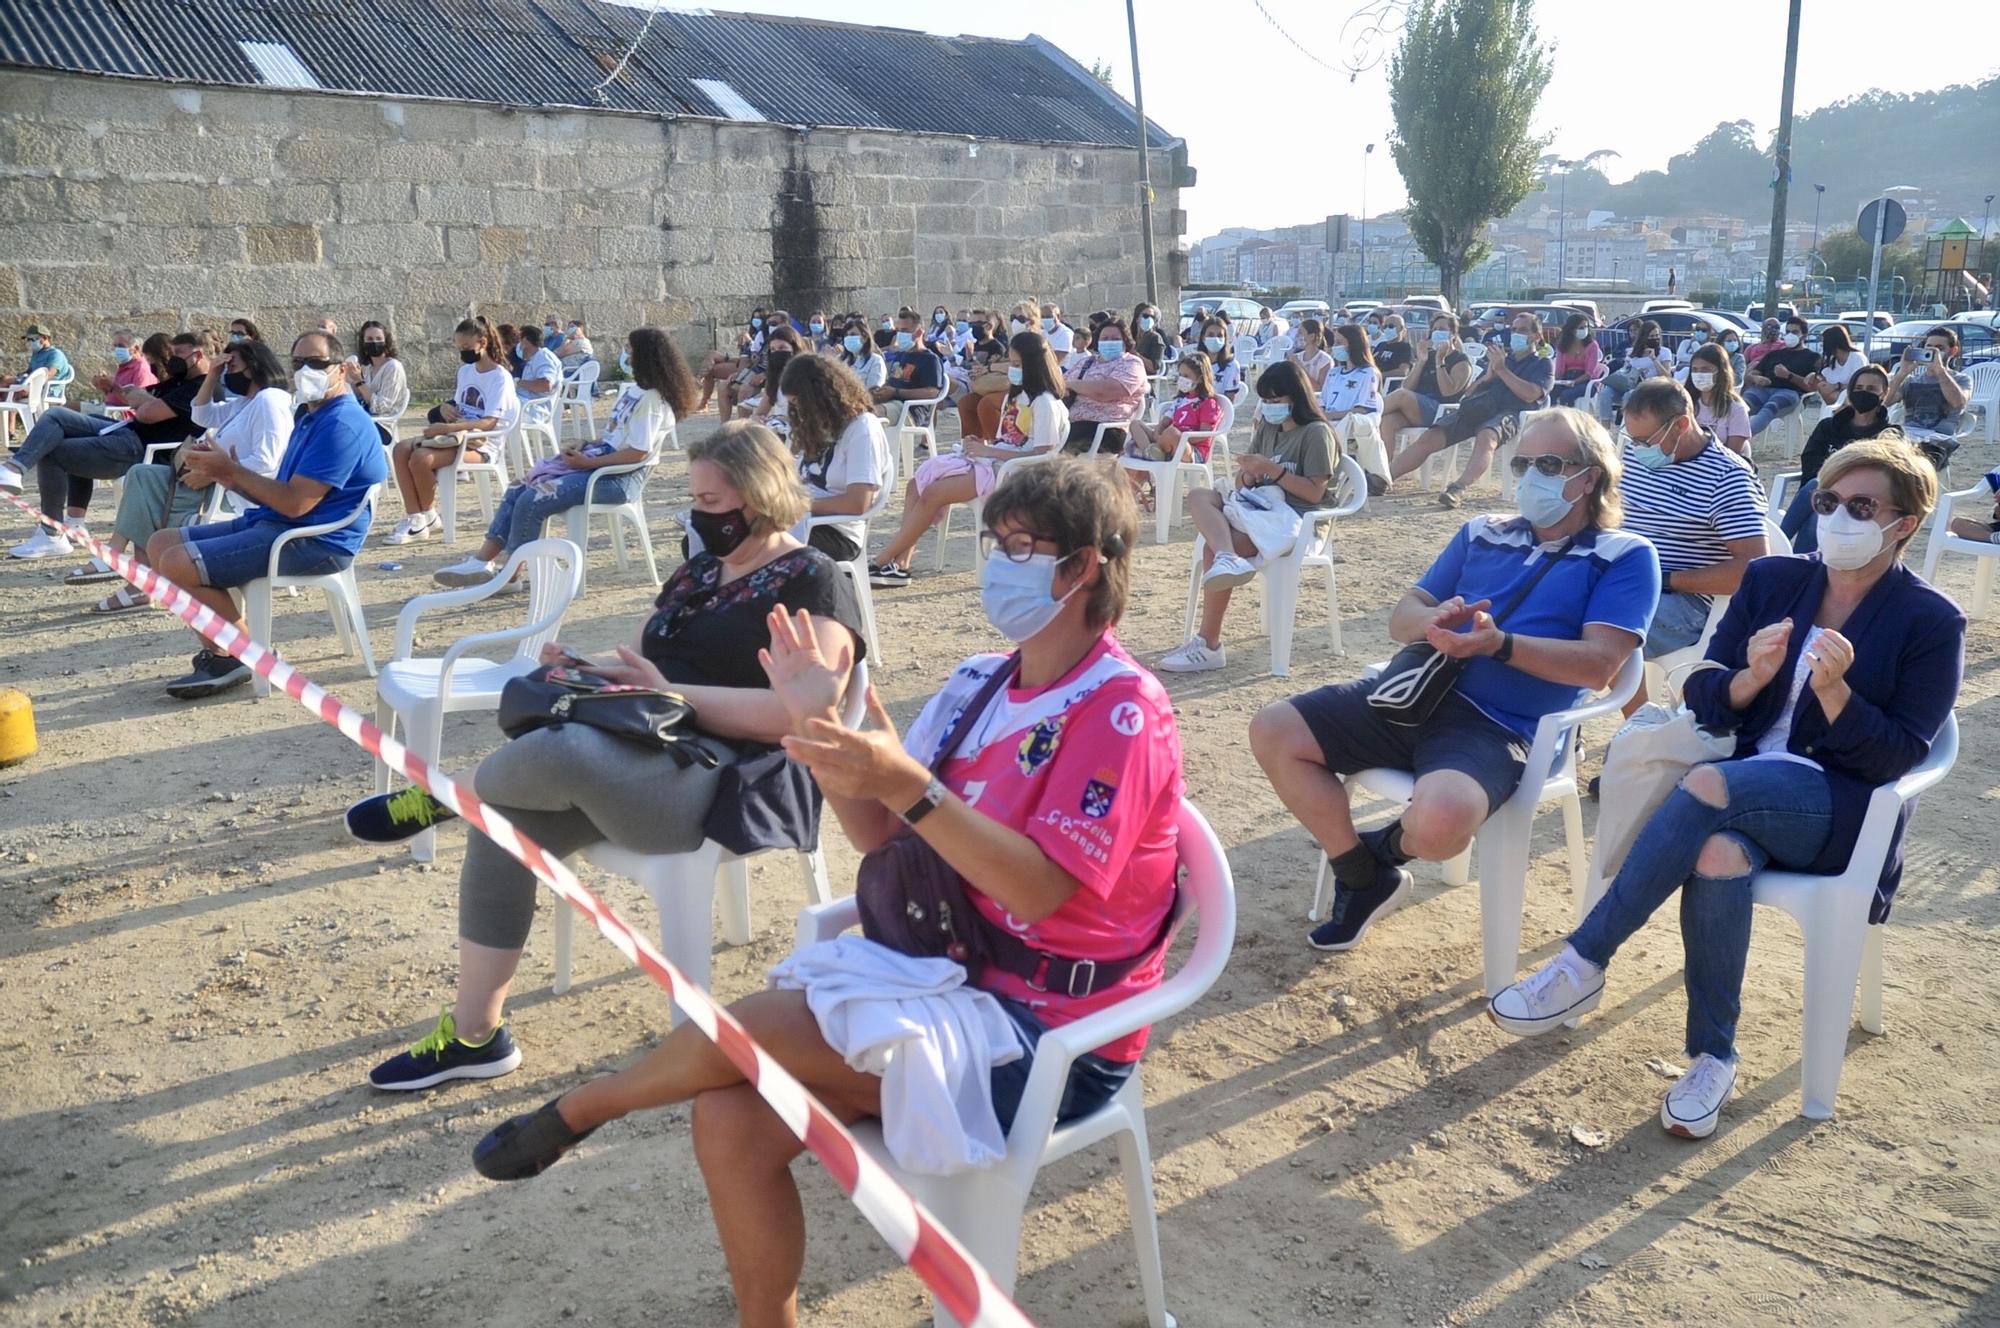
(1463, 86)
(1100, 71)
(1845, 254)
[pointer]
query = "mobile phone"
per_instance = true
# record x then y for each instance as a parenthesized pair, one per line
(1924, 355)
(576, 661)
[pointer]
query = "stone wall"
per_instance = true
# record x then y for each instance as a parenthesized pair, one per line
(162, 207)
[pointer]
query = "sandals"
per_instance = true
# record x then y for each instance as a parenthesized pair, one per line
(120, 600)
(526, 1145)
(90, 573)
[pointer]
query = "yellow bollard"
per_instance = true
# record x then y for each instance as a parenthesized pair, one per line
(17, 727)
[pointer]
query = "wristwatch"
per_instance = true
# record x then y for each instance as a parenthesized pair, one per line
(934, 794)
(1506, 650)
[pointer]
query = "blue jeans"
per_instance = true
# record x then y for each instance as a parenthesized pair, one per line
(68, 454)
(1093, 1080)
(525, 509)
(229, 554)
(1677, 623)
(1616, 385)
(1767, 404)
(1801, 523)
(1777, 811)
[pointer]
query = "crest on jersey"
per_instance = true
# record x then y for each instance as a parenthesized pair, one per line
(1099, 793)
(1038, 748)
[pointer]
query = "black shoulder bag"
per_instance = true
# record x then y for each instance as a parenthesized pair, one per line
(1420, 676)
(554, 695)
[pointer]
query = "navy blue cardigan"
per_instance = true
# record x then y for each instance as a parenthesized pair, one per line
(1909, 652)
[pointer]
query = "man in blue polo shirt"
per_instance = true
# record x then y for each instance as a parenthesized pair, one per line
(915, 374)
(1513, 383)
(334, 460)
(1580, 619)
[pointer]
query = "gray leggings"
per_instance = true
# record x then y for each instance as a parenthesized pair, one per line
(567, 788)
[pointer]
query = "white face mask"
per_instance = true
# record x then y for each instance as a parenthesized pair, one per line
(1702, 380)
(1792, 339)
(310, 385)
(1847, 542)
(1019, 598)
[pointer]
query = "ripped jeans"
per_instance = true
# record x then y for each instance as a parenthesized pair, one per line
(1769, 810)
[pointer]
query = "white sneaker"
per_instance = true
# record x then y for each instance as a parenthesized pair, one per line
(1566, 987)
(10, 477)
(466, 572)
(1695, 1102)
(415, 526)
(1228, 572)
(45, 544)
(1197, 656)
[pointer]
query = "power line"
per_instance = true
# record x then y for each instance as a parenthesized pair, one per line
(1296, 43)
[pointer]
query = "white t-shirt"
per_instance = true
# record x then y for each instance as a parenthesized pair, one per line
(1062, 340)
(639, 420)
(1780, 733)
(873, 371)
(1830, 372)
(487, 395)
(1355, 388)
(256, 430)
(542, 364)
(859, 456)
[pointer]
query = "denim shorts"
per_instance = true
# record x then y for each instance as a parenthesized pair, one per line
(1427, 408)
(1677, 623)
(1353, 736)
(1093, 1080)
(228, 554)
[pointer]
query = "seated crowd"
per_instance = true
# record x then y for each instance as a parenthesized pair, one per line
(1042, 784)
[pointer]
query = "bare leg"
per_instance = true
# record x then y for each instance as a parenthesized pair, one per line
(746, 1153)
(1971, 528)
(1293, 763)
(425, 463)
(1446, 810)
(170, 557)
(1427, 445)
(406, 484)
(1483, 444)
(1205, 507)
(484, 974)
(920, 512)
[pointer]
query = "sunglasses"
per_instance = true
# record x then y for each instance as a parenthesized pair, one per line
(1547, 464)
(1861, 507)
(310, 362)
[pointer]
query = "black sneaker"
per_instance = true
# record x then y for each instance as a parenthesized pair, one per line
(391, 818)
(1596, 784)
(440, 1056)
(888, 576)
(526, 1145)
(213, 673)
(1354, 910)
(1451, 497)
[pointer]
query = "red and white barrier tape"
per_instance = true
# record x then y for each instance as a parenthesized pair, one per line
(954, 1277)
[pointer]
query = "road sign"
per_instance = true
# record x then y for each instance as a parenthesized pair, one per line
(1892, 224)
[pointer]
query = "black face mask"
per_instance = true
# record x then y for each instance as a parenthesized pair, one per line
(374, 349)
(1864, 401)
(177, 366)
(237, 383)
(721, 533)
(468, 357)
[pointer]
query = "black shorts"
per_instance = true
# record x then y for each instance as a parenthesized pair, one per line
(1353, 736)
(834, 543)
(1484, 411)
(1082, 431)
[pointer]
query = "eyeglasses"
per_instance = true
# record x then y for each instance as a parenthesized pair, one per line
(1546, 464)
(1018, 545)
(1861, 507)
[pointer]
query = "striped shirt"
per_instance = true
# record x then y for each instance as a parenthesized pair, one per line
(1691, 509)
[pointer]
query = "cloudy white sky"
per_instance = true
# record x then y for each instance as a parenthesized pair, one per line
(1278, 140)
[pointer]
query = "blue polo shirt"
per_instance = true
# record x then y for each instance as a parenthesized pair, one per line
(338, 445)
(1607, 576)
(50, 358)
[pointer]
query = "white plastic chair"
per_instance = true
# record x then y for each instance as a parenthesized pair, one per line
(343, 593)
(419, 693)
(856, 568)
(630, 512)
(683, 885)
(1659, 671)
(976, 509)
(1942, 541)
(57, 392)
(489, 478)
(1503, 842)
(574, 398)
(1985, 398)
(984, 1208)
(901, 419)
(25, 402)
(1437, 468)
(536, 432)
(1281, 576)
(1843, 950)
(1167, 475)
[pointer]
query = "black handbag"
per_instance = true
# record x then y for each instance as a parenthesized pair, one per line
(554, 695)
(1419, 676)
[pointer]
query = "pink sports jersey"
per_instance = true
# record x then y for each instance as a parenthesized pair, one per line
(1089, 768)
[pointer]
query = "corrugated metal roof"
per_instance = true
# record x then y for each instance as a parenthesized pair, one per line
(558, 52)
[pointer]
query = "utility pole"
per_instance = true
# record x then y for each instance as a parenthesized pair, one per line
(1145, 155)
(1781, 186)
(1361, 285)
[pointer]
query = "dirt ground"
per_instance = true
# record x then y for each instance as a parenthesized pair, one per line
(197, 968)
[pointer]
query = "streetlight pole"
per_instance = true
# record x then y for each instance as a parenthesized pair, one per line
(1983, 255)
(1361, 285)
(1819, 196)
(1562, 228)
(1145, 162)
(1781, 185)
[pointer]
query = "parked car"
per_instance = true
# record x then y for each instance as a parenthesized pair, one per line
(1660, 306)
(1242, 313)
(1860, 317)
(1977, 344)
(1676, 325)
(1435, 303)
(1293, 311)
(1729, 316)
(1979, 317)
(1581, 304)
(1755, 313)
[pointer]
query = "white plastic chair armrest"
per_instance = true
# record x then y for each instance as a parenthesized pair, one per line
(823, 922)
(628, 468)
(1549, 732)
(306, 532)
(406, 619)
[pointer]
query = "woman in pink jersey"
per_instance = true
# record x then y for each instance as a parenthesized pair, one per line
(1056, 807)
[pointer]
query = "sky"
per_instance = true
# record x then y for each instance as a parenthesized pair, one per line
(1256, 111)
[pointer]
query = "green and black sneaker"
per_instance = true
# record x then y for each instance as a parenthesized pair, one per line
(391, 818)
